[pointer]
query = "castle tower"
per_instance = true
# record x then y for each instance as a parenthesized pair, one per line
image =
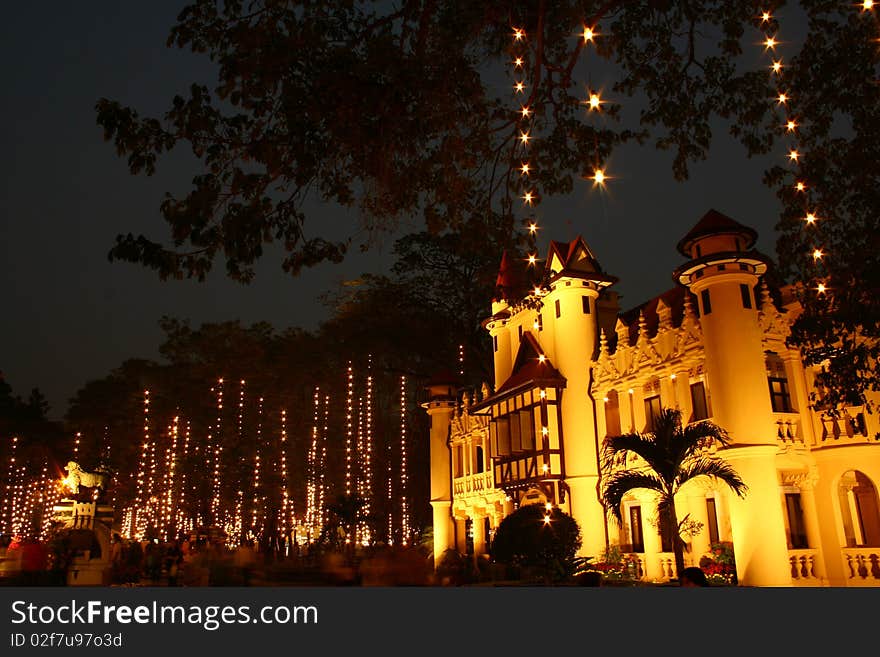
(570, 320)
(722, 272)
(503, 351)
(440, 406)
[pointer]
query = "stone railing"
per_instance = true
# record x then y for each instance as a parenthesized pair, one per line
(862, 566)
(803, 567)
(788, 429)
(851, 426)
(475, 483)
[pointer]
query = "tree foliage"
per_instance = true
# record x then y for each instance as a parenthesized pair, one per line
(405, 109)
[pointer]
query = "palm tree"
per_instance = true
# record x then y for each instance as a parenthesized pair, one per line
(672, 455)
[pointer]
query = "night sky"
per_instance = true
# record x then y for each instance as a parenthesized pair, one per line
(70, 316)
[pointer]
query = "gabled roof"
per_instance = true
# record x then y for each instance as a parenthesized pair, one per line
(574, 259)
(715, 223)
(529, 371)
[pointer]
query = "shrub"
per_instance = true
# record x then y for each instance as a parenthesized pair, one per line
(525, 539)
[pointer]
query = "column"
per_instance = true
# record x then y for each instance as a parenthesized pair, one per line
(814, 539)
(757, 522)
(478, 523)
(696, 503)
(461, 535)
(651, 535)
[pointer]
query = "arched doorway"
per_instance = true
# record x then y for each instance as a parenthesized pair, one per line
(859, 510)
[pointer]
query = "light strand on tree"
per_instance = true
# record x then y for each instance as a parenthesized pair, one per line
(217, 455)
(256, 513)
(404, 488)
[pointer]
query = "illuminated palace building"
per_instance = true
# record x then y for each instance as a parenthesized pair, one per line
(571, 369)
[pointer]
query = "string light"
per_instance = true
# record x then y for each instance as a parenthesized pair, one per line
(589, 34)
(776, 66)
(782, 99)
(800, 186)
(519, 87)
(770, 43)
(524, 169)
(518, 34)
(526, 111)
(404, 492)
(594, 101)
(791, 125)
(524, 138)
(599, 177)
(793, 155)
(817, 254)
(810, 218)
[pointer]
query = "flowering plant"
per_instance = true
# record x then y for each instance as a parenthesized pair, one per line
(720, 564)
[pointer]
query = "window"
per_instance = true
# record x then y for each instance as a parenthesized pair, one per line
(777, 380)
(722, 267)
(712, 516)
(558, 309)
(540, 321)
(746, 295)
(500, 433)
(652, 410)
(495, 343)
(797, 532)
(698, 402)
(635, 529)
(612, 414)
(480, 465)
(707, 302)
(699, 252)
(520, 332)
(779, 399)
(585, 301)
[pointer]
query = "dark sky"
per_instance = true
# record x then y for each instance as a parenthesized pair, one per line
(69, 315)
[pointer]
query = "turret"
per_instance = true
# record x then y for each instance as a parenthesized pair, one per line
(722, 272)
(440, 406)
(574, 280)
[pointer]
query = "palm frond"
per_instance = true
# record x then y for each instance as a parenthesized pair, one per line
(618, 484)
(637, 443)
(713, 467)
(699, 433)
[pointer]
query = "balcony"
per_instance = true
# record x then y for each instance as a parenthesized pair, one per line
(849, 428)
(474, 484)
(788, 429)
(803, 567)
(862, 566)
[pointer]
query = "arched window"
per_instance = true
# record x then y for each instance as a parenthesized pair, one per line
(612, 414)
(479, 458)
(859, 510)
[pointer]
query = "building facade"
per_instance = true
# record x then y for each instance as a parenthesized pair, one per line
(571, 369)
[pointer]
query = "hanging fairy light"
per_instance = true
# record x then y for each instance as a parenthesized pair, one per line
(312, 468)
(255, 502)
(349, 419)
(404, 504)
(285, 490)
(217, 453)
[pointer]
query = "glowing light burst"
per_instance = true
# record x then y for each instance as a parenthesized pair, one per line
(589, 34)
